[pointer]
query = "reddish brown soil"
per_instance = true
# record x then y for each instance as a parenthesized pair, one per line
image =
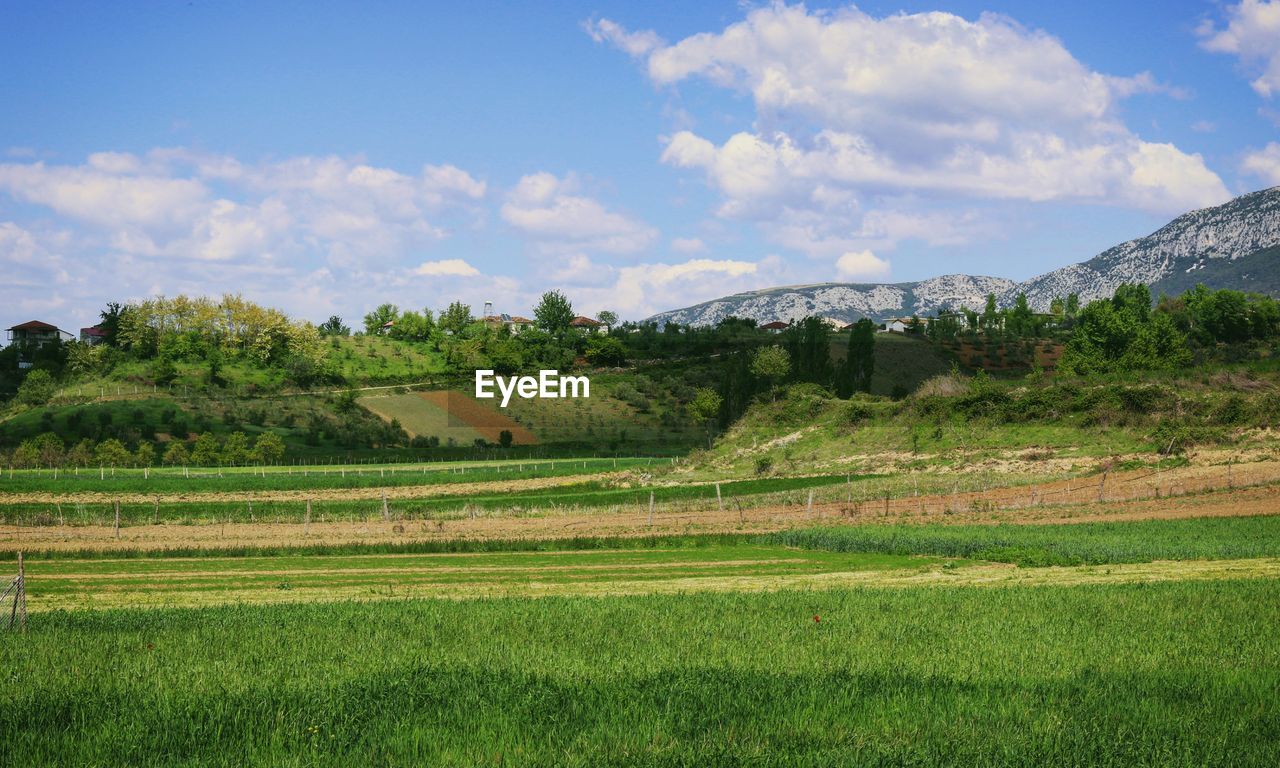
(487, 421)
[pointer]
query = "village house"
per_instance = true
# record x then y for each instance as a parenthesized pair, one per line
(513, 323)
(896, 325)
(588, 325)
(93, 335)
(36, 333)
(776, 326)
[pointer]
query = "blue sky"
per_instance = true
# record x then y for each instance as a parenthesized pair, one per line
(326, 157)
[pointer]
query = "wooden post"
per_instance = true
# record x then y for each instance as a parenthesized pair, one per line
(386, 513)
(306, 521)
(155, 511)
(1102, 487)
(886, 503)
(719, 501)
(810, 504)
(117, 508)
(650, 509)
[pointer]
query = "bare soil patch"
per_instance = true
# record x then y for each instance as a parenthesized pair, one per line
(489, 422)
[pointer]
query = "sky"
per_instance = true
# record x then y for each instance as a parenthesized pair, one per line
(325, 157)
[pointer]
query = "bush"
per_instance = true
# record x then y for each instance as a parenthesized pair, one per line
(36, 389)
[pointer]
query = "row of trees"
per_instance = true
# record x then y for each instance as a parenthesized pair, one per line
(1124, 332)
(48, 450)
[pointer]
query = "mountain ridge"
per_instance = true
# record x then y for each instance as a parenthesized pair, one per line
(1213, 245)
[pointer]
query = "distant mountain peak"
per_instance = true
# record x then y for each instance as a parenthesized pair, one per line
(1233, 245)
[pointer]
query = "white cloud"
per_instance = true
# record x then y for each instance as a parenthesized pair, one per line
(644, 289)
(446, 268)
(1253, 34)
(549, 210)
(925, 103)
(1264, 163)
(688, 245)
(862, 265)
(634, 43)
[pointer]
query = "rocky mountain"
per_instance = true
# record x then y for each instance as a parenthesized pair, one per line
(845, 302)
(1197, 247)
(1234, 245)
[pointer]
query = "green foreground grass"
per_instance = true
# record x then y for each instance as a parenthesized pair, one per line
(1163, 674)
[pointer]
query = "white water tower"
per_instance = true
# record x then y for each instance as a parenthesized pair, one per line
(488, 309)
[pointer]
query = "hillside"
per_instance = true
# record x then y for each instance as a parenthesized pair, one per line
(1229, 246)
(1039, 424)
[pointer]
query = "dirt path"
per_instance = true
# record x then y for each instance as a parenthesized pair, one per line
(633, 522)
(315, 494)
(988, 575)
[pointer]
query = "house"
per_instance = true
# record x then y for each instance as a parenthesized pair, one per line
(93, 335)
(386, 327)
(776, 326)
(513, 323)
(896, 325)
(588, 325)
(36, 333)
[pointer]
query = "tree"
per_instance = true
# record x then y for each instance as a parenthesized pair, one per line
(333, 327)
(609, 318)
(413, 326)
(176, 454)
(456, 318)
(81, 455)
(809, 345)
(146, 454)
(206, 452)
(505, 438)
(606, 350)
(772, 364)
(37, 388)
(50, 450)
(553, 313)
(705, 407)
(112, 453)
(109, 322)
(859, 360)
(375, 320)
(990, 319)
(235, 450)
(269, 448)
(1021, 318)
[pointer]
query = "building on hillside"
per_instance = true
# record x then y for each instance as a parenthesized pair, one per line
(896, 325)
(386, 327)
(777, 326)
(513, 323)
(36, 333)
(588, 325)
(93, 335)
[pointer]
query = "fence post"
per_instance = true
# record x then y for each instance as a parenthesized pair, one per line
(650, 509)
(386, 514)
(117, 528)
(719, 501)
(306, 521)
(1102, 487)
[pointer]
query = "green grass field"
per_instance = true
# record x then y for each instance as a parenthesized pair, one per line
(1147, 643)
(1104, 675)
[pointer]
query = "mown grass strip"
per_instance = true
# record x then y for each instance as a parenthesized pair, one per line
(1218, 538)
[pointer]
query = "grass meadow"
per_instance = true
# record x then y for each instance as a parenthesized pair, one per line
(1174, 674)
